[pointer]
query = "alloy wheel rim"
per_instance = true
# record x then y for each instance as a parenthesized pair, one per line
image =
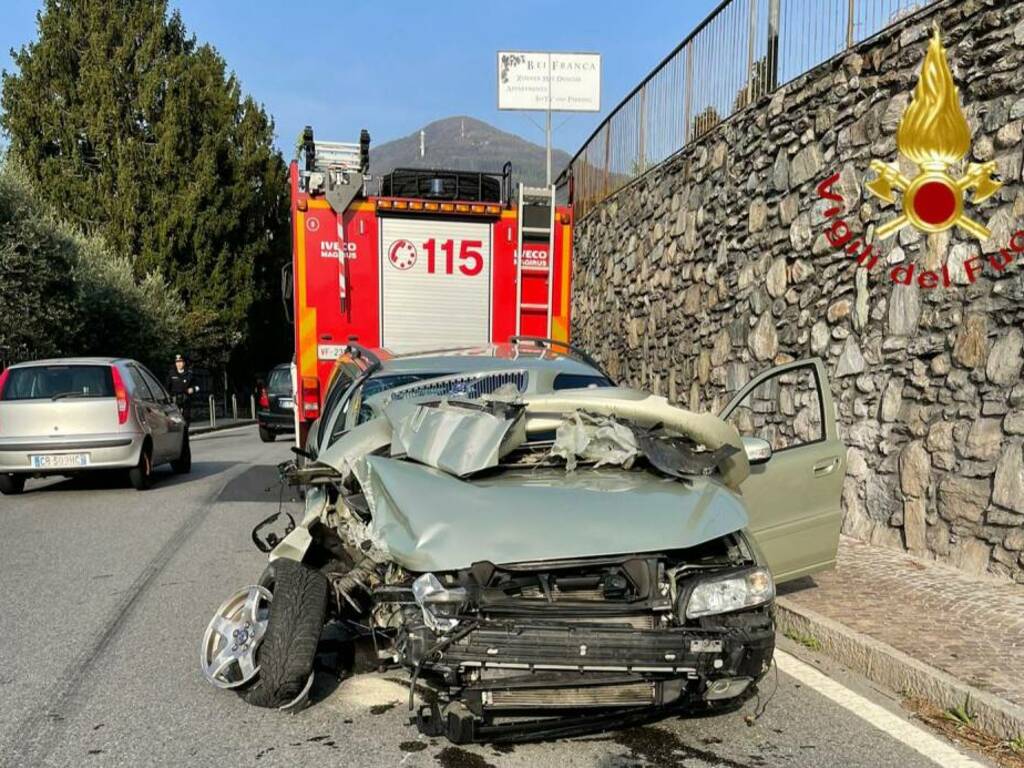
(233, 636)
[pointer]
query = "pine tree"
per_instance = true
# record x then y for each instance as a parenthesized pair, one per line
(135, 131)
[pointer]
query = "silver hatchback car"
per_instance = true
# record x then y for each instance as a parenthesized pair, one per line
(73, 415)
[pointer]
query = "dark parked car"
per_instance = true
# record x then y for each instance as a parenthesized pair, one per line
(276, 414)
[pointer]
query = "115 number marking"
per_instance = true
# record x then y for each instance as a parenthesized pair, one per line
(471, 261)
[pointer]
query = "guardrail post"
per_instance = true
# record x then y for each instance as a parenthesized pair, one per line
(751, 34)
(252, 406)
(234, 407)
(849, 23)
(773, 44)
(641, 162)
(607, 155)
(688, 96)
(213, 412)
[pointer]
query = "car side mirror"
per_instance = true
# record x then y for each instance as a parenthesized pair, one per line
(758, 451)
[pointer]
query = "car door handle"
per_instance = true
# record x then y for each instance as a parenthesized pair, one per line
(825, 467)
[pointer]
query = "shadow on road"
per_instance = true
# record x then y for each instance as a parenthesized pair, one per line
(114, 479)
(259, 483)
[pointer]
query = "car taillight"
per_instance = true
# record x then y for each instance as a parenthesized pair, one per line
(121, 394)
(310, 398)
(264, 398)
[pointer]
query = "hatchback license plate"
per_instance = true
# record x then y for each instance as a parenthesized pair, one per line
(60, 460)
(286, 402)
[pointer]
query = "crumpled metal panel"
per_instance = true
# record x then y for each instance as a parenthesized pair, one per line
(601, 440)
(356, 443)
(459, 438)
(643, 410)
(427, 520)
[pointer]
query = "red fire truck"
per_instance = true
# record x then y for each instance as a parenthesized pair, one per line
(427, 259)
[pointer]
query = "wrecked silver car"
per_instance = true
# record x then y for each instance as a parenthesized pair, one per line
(543, 561)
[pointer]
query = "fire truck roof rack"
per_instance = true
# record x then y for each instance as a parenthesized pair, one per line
(448, 184)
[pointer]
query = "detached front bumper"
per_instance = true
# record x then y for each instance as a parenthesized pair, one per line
(575, 678)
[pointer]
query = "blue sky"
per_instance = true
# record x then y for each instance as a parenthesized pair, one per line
(393, 66)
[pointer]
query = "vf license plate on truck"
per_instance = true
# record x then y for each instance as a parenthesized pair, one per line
(60, 460)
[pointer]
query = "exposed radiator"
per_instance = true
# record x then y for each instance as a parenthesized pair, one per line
(641, 621)
(624, 695)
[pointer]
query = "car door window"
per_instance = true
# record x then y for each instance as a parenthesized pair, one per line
(142, 391)
(339, 387)
(785, 409)
(155, 387)
(793, 498)
(341, 421)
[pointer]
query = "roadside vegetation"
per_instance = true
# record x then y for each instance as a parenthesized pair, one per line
(137, 167)
(807, 640)
(958, 724)
(67, 293)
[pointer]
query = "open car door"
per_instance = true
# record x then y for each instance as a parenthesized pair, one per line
(793, 494)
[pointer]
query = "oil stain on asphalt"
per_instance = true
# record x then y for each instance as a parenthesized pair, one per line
(412, 746)
(664, 749)
(456, 757)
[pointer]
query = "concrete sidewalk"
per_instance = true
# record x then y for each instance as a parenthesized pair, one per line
(920, 628)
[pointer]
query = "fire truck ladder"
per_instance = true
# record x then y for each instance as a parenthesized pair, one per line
(336, 168)
(536, 224)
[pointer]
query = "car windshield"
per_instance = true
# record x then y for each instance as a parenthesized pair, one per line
(42, 382)
(280, 382)
(380, 384)
(371, 387)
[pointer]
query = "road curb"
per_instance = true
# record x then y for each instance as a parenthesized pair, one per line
(193, 431)
(883, 664)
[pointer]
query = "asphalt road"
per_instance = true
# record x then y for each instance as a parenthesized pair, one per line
(105, 592)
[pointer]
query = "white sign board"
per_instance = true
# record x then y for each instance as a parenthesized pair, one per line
(562, 82)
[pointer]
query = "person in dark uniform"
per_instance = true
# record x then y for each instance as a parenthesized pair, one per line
(182, 387)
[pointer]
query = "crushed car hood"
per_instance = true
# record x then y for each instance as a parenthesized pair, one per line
(427, 520)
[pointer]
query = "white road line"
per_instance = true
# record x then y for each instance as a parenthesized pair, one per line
(932, 747)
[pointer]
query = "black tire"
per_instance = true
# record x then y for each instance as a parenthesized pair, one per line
(297, 613)
(183, 464)
(141, 475)
(267, 436)
(11, 485)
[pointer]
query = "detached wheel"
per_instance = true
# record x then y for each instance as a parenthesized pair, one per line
(11, 485)
(141, 475)
(266, 435)
(295, 620)
(183, 464)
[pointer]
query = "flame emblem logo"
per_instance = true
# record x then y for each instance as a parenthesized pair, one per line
(933, 133)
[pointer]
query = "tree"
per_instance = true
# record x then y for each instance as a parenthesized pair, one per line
(65, 293)
(134, 131)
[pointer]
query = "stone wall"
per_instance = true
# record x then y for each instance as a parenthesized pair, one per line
(714, 266)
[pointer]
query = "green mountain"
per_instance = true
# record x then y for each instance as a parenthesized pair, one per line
(465, 143)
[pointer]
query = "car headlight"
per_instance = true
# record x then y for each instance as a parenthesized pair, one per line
(730, 593)
(438, 602)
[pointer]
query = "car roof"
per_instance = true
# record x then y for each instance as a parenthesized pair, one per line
(489, 357)
(73, 361)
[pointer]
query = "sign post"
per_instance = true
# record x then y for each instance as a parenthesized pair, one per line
(549, 82)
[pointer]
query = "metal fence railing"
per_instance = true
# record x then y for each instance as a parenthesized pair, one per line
(743, 50)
